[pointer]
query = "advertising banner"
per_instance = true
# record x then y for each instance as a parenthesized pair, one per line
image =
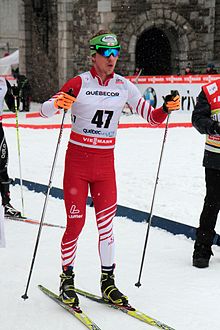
(155, 88)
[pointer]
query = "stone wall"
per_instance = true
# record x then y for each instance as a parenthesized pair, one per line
(39, 46)
(54, 35)
(9, 41)
(217, 32)
(189, 26)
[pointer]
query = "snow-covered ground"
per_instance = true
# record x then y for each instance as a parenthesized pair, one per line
(172, 290)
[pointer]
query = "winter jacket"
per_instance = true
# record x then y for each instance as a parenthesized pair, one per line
(206, 119)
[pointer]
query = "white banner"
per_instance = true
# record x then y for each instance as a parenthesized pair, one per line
(155, 88)
(7, 62)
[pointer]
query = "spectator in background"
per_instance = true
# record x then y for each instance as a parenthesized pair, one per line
(177, 70)
(210, 69)
(7, 96)
(24, 90)
(137, 72)
(189, 70)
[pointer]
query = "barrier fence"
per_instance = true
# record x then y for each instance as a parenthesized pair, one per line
(154, 89)
(171, 226)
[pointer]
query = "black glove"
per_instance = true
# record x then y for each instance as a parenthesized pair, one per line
(15, 90)
(171, 102)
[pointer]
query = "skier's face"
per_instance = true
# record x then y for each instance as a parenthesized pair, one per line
(104, 65)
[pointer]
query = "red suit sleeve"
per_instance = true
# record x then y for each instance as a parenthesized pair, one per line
(158, 115)
(74, 84)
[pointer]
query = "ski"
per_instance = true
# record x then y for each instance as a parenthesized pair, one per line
(128, 310)
(33, 222)
(76, 312)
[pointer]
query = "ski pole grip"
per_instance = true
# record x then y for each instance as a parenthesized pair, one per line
(70, 92)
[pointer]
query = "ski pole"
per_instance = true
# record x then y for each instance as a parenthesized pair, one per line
(136, 79)
(25, 296)
(138, 284)
(19, 151)
(135, 82)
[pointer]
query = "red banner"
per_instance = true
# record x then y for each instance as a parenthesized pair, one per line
(190, 79)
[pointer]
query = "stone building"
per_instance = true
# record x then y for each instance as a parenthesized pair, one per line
(160, 36)
(9, 40)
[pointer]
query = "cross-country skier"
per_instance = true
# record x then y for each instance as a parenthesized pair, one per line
(100, 98)
(206, 119)
(24, 91)
(7, 96)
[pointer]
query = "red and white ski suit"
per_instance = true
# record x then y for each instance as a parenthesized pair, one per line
(89, 159)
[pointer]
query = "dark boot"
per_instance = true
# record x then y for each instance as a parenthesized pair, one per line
(10, 211)
(5, 191)
(67, 289)
(202, 248)
(201, 255)
(109, 290)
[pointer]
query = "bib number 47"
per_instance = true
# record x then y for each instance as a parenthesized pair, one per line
(102, 118)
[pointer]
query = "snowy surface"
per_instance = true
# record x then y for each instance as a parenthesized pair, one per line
(172, 290)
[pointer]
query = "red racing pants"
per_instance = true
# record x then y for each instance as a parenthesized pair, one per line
(89, 168)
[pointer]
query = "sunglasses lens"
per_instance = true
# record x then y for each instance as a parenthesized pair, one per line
(106, 52)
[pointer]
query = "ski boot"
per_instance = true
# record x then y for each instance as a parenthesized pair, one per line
(201, 255)
(202, 248)
(110, 292)
(67, 289)
(10, 211)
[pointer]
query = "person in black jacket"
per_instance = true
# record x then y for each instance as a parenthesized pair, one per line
(206, 119)
(7, 96)
(24, 90)
(210, 69)
(189, 70)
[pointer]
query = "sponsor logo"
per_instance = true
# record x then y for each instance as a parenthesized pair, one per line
(216, 99)
(91, 131)
(95, 140)
(212, 88)
(119, 81)
(4, 151)
(111, 241)
(150, 96)
(216, 116)
(98, 132)
(110, 40)
(188, 101)
(214, 138)
(74, 212)
(102, 93)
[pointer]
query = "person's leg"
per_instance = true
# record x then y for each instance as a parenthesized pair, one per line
(104, 196)
(4, 179)
(75, 194)
(10, 211)
(206, 231)
(25, 100)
